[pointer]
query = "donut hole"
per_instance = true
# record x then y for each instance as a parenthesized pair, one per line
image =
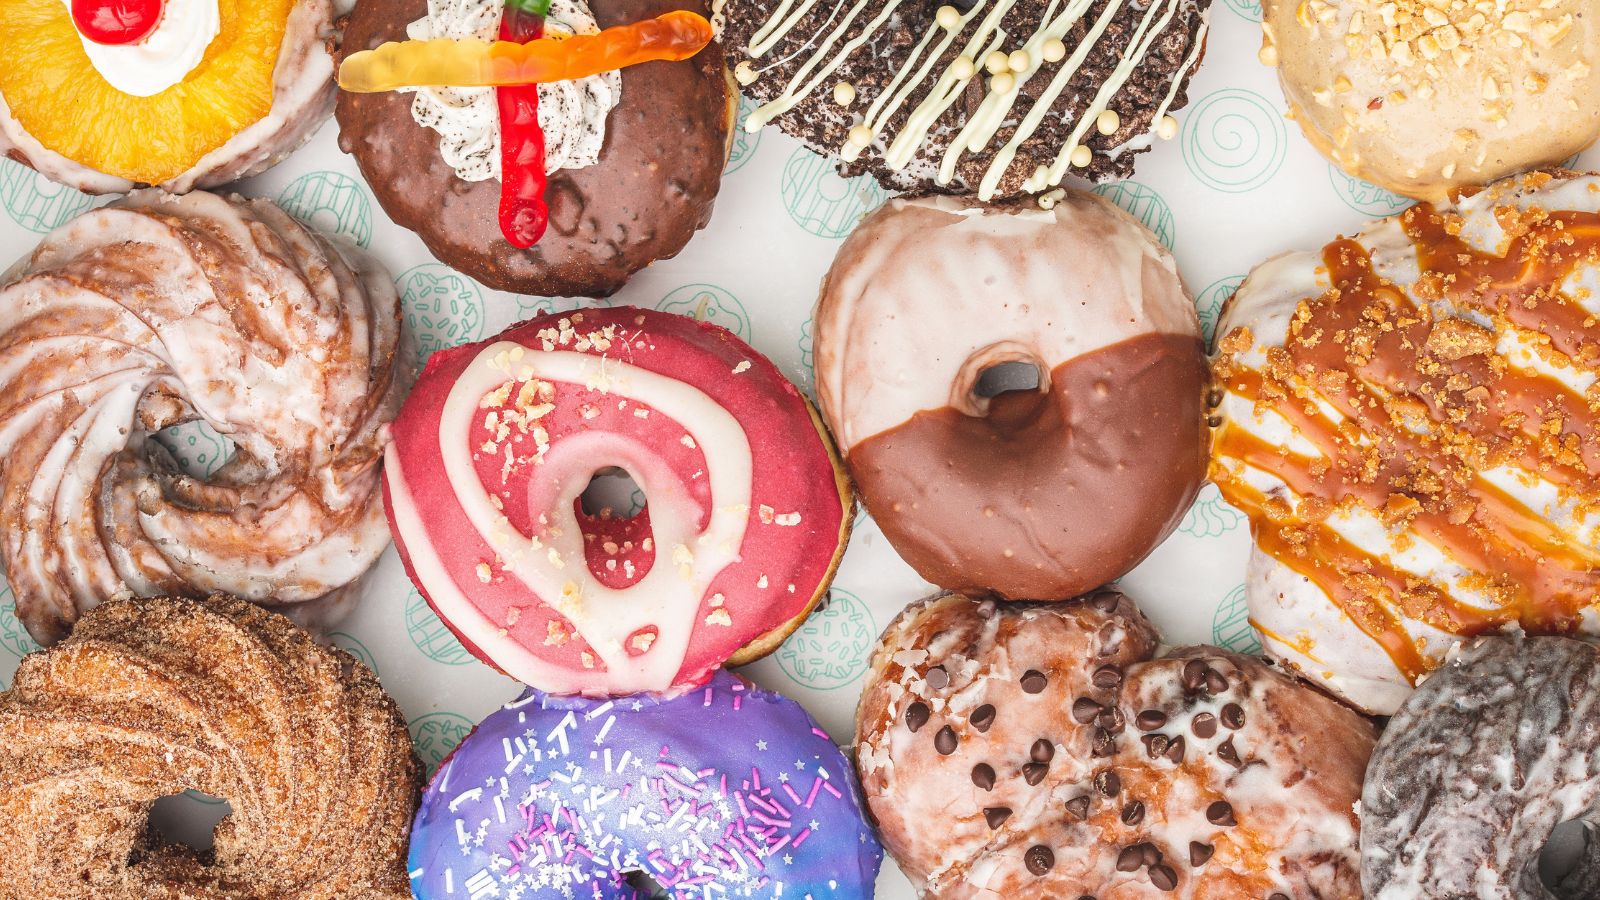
(1010, 391)
(1003, 378)
(612, 494)
(188, 819)
(644, 885)
(1569, 863)
(196, 447)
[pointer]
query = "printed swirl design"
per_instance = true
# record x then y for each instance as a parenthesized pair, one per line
(1234, 140)
(158, 311)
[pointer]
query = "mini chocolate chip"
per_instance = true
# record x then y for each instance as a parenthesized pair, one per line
(945, 741)
(1042, 751)
(1130, 859)
(1227, 753)
(996, 816)
(1175, 750)
(1200, 854)
(982, 718)
(1105, 601)
(1039, 859)
(1152, 853)
(916, 716)
(1133, 813)
(1084, 710)
(1108, 782)
(1204, 725)
(1033, 773)
(1163, 877)
(1233, 716)
(1279, 896)
(1150, 719)
(1221, 813)
(1033, 681)
(1194, 675)
(1087, 897)
(1155, 745)
(1078, 807)
(1111, 720)
(983, 776)
(1104, 744)
(1215, 683)
(937, 678)
(1107, 676)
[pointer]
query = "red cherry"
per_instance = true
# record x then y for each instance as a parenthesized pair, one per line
(116, 21)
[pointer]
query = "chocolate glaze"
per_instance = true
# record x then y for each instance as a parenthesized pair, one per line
(1054, 492)
(666, 145)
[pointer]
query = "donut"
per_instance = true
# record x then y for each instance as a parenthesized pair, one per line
(729, 791)
(1408, 419)
(1432, 97)
(634, 158)
(151, 697)
(1042, 750)
(1476, 770)
(159, 310)
(997, 98)
(1041, 493)
(745, 514)
(211, 92)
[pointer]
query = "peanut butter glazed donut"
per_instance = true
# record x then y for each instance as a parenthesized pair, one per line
(1034, 493)
(1041, 750)
(159, 310)
(151, 697)
(1408, 416)
(1478, 768)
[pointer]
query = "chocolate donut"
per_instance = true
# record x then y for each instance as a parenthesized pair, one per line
(657, 175)
(993, 97)
(1476, 770)
(1060, 759)
(1034, 494)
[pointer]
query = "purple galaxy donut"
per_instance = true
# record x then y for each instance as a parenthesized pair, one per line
(727, 791)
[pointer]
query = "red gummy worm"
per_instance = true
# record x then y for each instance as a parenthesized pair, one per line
(523, 213)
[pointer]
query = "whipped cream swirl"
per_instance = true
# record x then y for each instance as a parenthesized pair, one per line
(163, 57)
(572, 113)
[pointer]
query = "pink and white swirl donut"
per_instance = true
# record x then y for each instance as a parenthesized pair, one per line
(746, 508)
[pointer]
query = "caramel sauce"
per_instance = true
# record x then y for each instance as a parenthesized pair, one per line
(1408, 404)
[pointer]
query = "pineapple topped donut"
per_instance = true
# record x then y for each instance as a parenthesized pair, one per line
(105, 95)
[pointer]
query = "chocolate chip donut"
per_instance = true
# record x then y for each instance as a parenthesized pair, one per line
(1478, 768)
(993, 97)
(652, 187)
(1039, 750)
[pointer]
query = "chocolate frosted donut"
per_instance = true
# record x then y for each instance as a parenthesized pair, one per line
(1059, 759)
(665, 145)
(1037, 493)
(993, 97)
(1477, 769)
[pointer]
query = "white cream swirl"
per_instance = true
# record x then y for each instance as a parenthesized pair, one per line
(572, 113)
(165, 56)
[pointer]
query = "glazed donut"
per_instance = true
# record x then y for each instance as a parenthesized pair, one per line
(1417, 452)
(746, 511)
(159, 310)
(1437, 96)
(730, 791)
(1040, 493)
(635, 158)
(1476, 770)
(1059, 759)
(996, 98)
(149, 698)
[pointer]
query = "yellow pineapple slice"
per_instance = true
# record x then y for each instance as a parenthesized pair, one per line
(55, 92)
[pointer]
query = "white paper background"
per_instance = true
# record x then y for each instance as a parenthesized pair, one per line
(1236, 186)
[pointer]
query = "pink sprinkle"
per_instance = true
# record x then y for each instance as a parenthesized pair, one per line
(755, 775)
(736, 702)
(768, 819)
(708, 698)
(743, 810)
(827, 786)
(514, 869)
(708, 770)
(792, 795)
(722, 787)
(812, 797)
(821, 734)
(782, 842)
(763, 804)
(801, 837)
(665, 750)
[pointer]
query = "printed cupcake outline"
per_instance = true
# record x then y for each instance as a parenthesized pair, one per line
(434, 735)
(14, 639)
(1210, 516)
(1146, 204)
(709, 303)
(443, 308)
(830, 649)
(1230, 625)
(332, 203)
(808, 361)
(1364, 197)
(1210, 301)
(35, 202)
(1234, 140)
(823, 202)
(430, 636)
(745, 142)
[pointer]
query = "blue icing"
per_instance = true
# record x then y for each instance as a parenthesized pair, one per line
(727, 791)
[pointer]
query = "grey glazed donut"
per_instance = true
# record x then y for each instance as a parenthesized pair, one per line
(1478, 768)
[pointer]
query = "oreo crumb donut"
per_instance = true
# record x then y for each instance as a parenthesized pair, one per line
(1047, 490)
(1060, 759)
(1476, 770)
(635, 157)
(150, 698)
(993, 97)
(731, 791)
(1408, 417)
(745, 514)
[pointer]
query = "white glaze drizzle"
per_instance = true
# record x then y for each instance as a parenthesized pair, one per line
(900, 87)
(798, 87)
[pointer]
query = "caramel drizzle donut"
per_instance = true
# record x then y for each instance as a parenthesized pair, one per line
(149, 698)
(1409, 419)
(1060, 759)
(160, 310)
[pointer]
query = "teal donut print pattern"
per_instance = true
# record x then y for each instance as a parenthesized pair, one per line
(808, 360)
(829, 650)
(708, 303)
(443, 308)
(330, 202)
(1210, 516)
(1234, 140)
(34, 201)
(1143, 203)
(1249, 10)
(348, 643)
(436, 734)
(430, 635)
(1230, 625)
(197, 447)
(822, 201)
(14, 638)
(744, 142)
(1209, 304)
(1367, 199)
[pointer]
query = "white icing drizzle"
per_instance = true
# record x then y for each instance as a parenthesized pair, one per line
(799, 87)
(950, 86)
